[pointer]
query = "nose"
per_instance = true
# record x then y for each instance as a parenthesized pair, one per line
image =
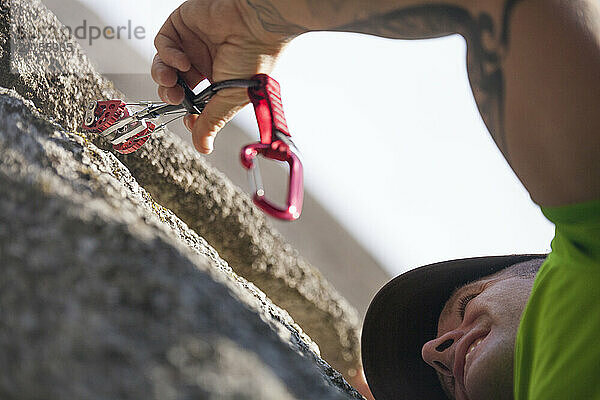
(439, 352)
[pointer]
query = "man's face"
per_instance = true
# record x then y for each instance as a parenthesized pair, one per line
(474, 349)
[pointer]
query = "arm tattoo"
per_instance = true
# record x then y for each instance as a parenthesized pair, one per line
(272, 20)
(484, 63)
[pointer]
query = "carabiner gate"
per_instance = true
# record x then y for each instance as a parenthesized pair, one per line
(279, 151)
(275, 144)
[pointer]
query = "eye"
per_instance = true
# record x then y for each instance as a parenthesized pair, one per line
(462, 304)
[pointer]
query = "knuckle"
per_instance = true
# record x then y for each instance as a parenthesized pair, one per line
(157, 43)
(156, 73)
(215, 122)
(164, 76)
(162, 94)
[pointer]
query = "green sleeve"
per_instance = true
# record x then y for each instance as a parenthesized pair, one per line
(557, 353)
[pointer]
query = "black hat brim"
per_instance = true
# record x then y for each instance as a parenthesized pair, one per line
(403, 316)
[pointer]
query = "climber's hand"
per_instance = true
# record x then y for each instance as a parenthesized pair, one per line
(218, 40)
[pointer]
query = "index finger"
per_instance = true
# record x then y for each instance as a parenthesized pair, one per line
(167, 76)
(163, 74)
(169, 48)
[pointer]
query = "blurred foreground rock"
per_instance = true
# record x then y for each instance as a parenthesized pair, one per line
(105, 294)
(179, 179)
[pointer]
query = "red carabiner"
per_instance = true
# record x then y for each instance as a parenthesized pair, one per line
(275, 144)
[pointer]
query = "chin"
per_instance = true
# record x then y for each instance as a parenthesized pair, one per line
(490, 375)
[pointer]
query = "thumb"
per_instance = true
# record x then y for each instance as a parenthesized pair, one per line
(219, 110)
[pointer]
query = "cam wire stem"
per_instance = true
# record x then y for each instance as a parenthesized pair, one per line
(164, 124)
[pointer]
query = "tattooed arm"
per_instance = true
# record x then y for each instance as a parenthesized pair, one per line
(534, 67)
(486, 30)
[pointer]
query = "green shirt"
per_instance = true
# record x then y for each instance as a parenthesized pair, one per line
(557, 353)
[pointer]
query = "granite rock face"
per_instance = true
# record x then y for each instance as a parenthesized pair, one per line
(180, 180)
(106, 294)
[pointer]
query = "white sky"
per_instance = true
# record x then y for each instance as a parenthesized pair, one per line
(393, 144)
